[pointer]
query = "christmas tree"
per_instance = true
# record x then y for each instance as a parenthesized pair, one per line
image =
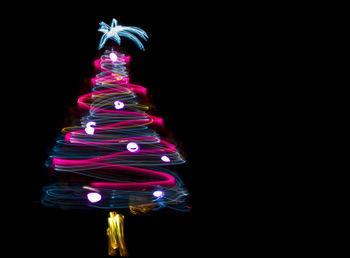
(115, 154)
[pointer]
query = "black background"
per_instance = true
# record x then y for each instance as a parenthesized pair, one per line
(207, 68)
(50, 56)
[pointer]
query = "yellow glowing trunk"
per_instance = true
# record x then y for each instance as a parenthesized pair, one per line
(115, 233)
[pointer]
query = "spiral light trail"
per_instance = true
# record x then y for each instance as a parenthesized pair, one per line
(114, 157)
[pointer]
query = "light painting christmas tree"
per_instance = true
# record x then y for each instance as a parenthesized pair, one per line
(112, 156)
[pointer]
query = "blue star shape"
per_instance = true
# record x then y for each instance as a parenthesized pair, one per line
(116, 31)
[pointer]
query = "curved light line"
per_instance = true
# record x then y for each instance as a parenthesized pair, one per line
(167, 181)
(101, 160)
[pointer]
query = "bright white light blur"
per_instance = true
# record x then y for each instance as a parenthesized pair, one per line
(118, 104)
(90, 130)
(158, 194)
(133, 147)
(94, 197)
(113, 56)
(165, 158)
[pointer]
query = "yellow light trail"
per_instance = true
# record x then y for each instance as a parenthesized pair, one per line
(115, 233)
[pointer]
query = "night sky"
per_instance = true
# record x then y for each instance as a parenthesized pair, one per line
(50, 61)
(198, 69)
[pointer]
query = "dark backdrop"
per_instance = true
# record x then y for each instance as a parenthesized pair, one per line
(205, 67)
(51, 58)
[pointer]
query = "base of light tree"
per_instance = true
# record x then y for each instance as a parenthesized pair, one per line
(115, 233)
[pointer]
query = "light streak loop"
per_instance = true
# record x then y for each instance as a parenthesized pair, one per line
(101, 160)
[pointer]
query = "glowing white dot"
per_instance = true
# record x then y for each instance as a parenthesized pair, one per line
(118, 104)
(158, 194)
(90, 130)
(113, 56)
(94, 197)
(133, 147)
(165, 158)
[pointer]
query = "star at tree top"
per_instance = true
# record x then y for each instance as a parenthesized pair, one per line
(116, 31)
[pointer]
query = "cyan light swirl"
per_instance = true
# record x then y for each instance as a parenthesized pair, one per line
(115, 151)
